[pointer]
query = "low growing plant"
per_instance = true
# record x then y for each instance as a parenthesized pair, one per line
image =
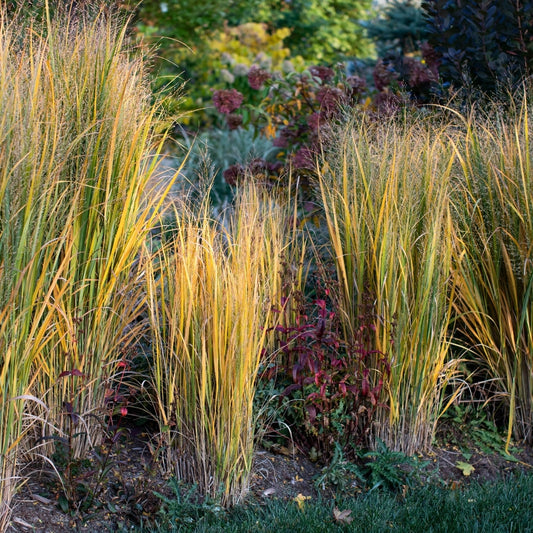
(469, 428)
(83, 479)
(335, 388)
(186, 510)
(380, 468)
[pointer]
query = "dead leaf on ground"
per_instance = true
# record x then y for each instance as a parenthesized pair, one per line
(465, 468)
(300, 500)
(342, 517)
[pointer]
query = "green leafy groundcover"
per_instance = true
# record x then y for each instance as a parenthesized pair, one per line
(498, 506)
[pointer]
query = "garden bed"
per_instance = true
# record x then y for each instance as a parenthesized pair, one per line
(292, 356)
(128, 499)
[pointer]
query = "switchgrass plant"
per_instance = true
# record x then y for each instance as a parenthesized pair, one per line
(98, 100)
(75, 125)
(493, 267)
(210, 290)
(26, 253)
(385, 194)
(26, 329)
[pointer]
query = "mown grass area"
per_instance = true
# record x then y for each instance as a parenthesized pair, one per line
(496, 507)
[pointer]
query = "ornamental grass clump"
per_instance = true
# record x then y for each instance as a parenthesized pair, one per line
(493, 266)
(75, 126)
(385, 195)
(97, 98)
(210, 292)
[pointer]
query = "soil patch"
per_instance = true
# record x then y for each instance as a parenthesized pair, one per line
(126, 498)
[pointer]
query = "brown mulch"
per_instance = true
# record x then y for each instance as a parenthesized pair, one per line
(126, 499)
(124, 496)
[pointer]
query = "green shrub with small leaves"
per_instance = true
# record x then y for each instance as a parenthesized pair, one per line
(380, 468)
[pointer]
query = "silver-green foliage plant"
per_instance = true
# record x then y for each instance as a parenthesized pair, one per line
(207, 155)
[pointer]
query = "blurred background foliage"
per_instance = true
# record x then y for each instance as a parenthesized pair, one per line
(428, 50)
(319, 29)
(395, 55)
(399, 27)
(472, 47)
(485, 47)
(205, 44)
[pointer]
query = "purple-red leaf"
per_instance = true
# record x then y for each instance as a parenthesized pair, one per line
(74, 372)
(291, 388)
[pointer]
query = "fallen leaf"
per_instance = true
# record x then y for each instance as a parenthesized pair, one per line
(286, 451)
(342, 516)
(23, 523)
(465, 468)
(300, 500)
(41, 499)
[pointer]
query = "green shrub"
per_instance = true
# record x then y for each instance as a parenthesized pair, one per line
(400, 27)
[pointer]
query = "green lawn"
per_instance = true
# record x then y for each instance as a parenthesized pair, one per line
(492, 507)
